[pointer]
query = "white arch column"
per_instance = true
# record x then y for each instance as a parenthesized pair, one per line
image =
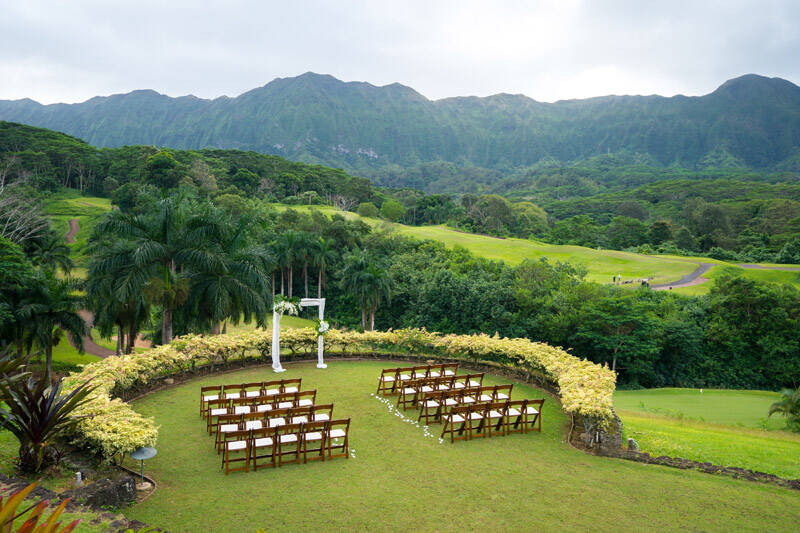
(276, 329)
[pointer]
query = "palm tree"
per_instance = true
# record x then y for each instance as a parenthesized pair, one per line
(289, 245)
(234, 286)
(160, 251)
(788, 406)
(303, 251)
(51, 252)
(369, 283)
(322, 254)
(53, 311)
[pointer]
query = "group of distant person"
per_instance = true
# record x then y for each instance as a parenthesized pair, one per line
(618, 280)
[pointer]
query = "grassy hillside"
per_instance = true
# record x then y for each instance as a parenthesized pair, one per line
(68, 204)
(601, 264)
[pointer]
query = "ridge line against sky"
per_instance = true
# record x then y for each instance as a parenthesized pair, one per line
(52, 51)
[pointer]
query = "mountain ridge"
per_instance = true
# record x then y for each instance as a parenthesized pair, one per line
(316, 118)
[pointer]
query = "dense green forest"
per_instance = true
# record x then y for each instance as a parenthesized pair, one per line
(390, 130)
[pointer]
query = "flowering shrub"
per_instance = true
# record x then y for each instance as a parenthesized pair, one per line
(286, 306)
(114, 428)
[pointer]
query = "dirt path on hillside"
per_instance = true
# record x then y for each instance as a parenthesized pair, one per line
(764, 267)
(89, 346)
(73, 230)
(692, 278)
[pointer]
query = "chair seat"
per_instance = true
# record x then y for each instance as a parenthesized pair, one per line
(405, 377)
(285, 405)
(459, 385)
(232, 395)
(291, 437)
(291, 389)
(485, 398)
(532, 411)
(474, 384)
(387, 378)
(457, 418)
(435, 374)
(305, 402)
(468, 399)
(443, 386)
(275, 422)
(212, 397)
(425, 388)
(502, 396)
(272, 392)
(337, 434)
(225, 428)
(431, 403)
(450, 401)
(263, 407)
(253, 424)
(260, 443)
(220, 411)
(475, 416)
(241, 410)
(314, 435)
(299, 419)
(409, 390)
(321, 417)
(237, 445)
(514, 412)
(495, 414)
(449, 373)
(252, 393)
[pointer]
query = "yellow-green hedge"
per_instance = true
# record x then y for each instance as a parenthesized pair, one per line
(113, 428)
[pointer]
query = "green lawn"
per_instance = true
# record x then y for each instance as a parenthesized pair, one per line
(724, 427)
(62, 206)
(773, 276)
(400, 478)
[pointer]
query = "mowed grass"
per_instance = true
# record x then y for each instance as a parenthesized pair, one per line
(401, 479)
(67, 204)
(724, 427)
(789, 277)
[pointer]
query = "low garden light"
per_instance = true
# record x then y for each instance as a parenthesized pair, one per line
(141, 454)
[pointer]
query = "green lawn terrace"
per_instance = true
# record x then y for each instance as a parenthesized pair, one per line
(398, 477)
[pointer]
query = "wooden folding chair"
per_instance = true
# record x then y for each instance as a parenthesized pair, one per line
(262, 404)
(285, 400)
(232, 392)
(496, 418)
(214, 408)
(408, 393)
(253, 421)
(287, 442)
(291, 385)
(532, 419)
(242, 406)
(212, 392)
(455, 422)
(450, 399)
(469, 396)
(420, 372)
(337, 438)
(322, 412)
(314, 440)
(515, 416)
(404, 374)
(299, 415)
(262, 446)
(475, 380)
(435, 371)
(306, 398)
(226, 424)
(271, 388)
(388, 381)
(277, 417)
(486, 394)
(444, 382)
(236, 442)
(503, 392)
(252, 390)
(430, 406)
(449, 369)
(476, 420)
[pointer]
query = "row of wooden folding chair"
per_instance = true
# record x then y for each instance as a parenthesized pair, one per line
(247, 390)
(257, 404)
(435, 404)
(465, 422)
(268, 447)
(412, 390)
(278, 417)
(391, 378)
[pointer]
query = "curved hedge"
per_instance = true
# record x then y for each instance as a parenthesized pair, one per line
(112, 427)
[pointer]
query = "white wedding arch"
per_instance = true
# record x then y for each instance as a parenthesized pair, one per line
(276, 333)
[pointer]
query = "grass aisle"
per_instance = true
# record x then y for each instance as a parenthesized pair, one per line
(401, 479)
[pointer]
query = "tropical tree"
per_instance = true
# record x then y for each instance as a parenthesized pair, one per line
(322, 254)
(367, 282)
(51, 252)
(788, 406)
(289, 244)
(53, 310)
(17, 281)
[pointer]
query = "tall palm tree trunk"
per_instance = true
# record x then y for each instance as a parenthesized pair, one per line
(363, 317)
(319, 284)
(372, 318)
(273, 284)
(48, 351)
(305, 277)
(131, 338)
(290, 280)
(166, 326)
(282, 290)
(120, 339)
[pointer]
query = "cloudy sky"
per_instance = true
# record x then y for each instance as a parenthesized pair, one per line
(62, 51)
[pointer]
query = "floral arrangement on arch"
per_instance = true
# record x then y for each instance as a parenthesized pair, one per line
(321, 326)
(286, 306)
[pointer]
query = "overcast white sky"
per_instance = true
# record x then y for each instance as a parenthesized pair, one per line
(69, 51)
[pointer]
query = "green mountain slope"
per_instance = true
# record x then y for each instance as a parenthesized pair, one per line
(751, 120)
